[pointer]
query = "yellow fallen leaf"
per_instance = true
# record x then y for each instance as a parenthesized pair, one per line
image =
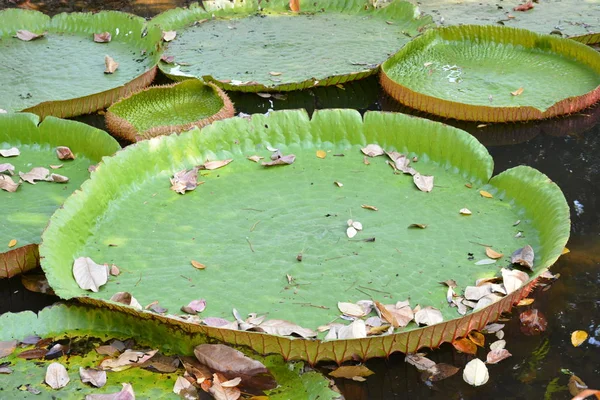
(469, 185)
(525, 302)
(351, 371)
(12, 243)
(565, 251)
(491, 253)
(321, 153)
(485, 194)
(477, 338)
(198, 265)
(578, 337)
(517, 92)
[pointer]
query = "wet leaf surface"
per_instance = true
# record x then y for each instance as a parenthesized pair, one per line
(533, 322)
(439, 372)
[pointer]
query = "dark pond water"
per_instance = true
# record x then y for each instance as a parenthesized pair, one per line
(567, 150)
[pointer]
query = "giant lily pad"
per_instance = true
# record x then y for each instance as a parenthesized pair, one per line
(83, 328)
(167, 109)
(252, 47)
(273, 240)
(62, 72)
(26, 211)
(494, 74)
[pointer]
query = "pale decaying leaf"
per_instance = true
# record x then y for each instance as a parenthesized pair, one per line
(7, 184)
(517, 92)
(7, 168)
(56, 376)
(420, 361)
(487, 300)
(57, 178)
(485, 261)
(465, 211)
(36, 174)
(495, 356)
(282, 160)
(523, 256)
(181, 384)
(351, 309)
(423, 182)
(222, 358)
(428, 316)
(498, 344)
(185, 180)
(93, 376)
(27, 36)
(351, 232)
(7, 347)
(285, 328)
(126, 393)
(221, 392)
(356, 330)
(351, 372)
(401, 162)
(491, 253)
(127, 299)
(255, 158)
(485, 194)
(64, 153)
(477, 292)
(12, 152)
(401, 312)
(103, 37)
(476, 373)
(210, 165)
(513, 279)
(128, 359)
(194, 306)
(110, 65)
(88, 274)
(167, 36)
(372, 150)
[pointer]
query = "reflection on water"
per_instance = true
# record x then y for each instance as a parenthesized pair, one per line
(565, 149)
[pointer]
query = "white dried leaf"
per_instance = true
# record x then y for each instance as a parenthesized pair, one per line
(129, 358)
(126, 393)
(351, 232)
(95, 377)
(12, 152)
(372, 150)
(56, 376)
(487, 300)
(476, 373)
(7, 184)
(351, 309)
(465, 211)
(423, 182)
(36, 174)
(232, 382)
(498, 344)
(357, 225)
(181, 384)
(428, 316)
(477, 292)
(486, 261)
(513, 279)
(356, 330)
(88, 274)
(285, 328)
(167, 36)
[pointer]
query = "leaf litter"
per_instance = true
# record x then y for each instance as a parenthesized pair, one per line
(7, 184)
(12, 152)
(211, 165)
(185, 180)
(354, 372)
(88, 274)
(110, 65)
(103, 37)
(28, 36)
(64, 153)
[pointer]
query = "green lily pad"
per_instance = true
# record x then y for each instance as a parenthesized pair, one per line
(166, 109)
(62, 73)
(25, 212)
(253, 48)
(577, 20)
(250, 226)
(493, 74)
(94, 325)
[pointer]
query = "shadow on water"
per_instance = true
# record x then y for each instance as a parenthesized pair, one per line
(566, 149)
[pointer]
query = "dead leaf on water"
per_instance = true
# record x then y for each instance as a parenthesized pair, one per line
(103, 37)
(476, 373)
(210, 165)
(465, 211)
(439, 372)
(351, 372)
(464, 345)
(368, 207)
(423, 182)
(372, 150)
(491, 253)
(64, 153)
(321, 154)
(351, 309)
(57, 178)
(283, 160)
(576, 387)
(578, 337)
(533, 322)
(28, 36)
(110, 65)
(285, 328)
(523, 256)
(198, 265)
(387, 315)
(420, 226)
(356, 330)
(225, 359)
(56, 376)
(477, 338)
(495, 356)
(525, 302)
(95, 377)
(565, 251)
(513, 279)
(485, 194)
(185, 180)
(517, 92)
(12, 152)
(88, 274)
(255, 158)
(167, 36)
(420, 361)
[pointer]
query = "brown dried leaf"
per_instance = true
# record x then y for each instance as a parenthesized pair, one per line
(491, 253)
(57, 178)
(125, 394)
(476, 338)
(64, 153)
(231, 362)
(56, 376)
(513, 279)
(36, 174)
(351, 371)
(103, 37)
(517, 92)
(220, 392)
(525, 302)
(423, 182)
(210, 165)
(7, 347)
(465, 345)
(495, 356)
(387, 314)
(421, 362)
(428, 316)
(167, 36)
(107, 350)
(27, 36)
(88, 274)
(7, 184)
(185, 180)
(6, 167)
(439, 372)
(523, 256)
(283, 160)
(194, 307)
(368, 207)
(127, 299)
(285, 328)
(401, 163)
(372, 150)
(93, 376)
(33, 354)
(12, 152)
(533, 322)
(12, 243)
(577, 386)
(129, 358)
(110, 64)
(477, 292)
(524, 6)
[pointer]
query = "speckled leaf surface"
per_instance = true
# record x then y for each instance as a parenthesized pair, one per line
(71, 321)
(25, 213)
(488, 73)
(62, 73)
(267, 47)
(247, 224)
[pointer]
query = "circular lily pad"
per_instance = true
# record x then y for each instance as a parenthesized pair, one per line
(264, 48)
(61, 73)
(275, 240)
(493, 74)
(26, 211)
(166, 109)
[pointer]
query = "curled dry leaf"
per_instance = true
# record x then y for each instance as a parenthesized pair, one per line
(495, 356)
(283, 160)
(114, 270)
(356, 330)
(126, 393)
(423, 182)
(167, 36)
(477, 338)
(578, 338)
(12, 152)
(465, 211)
(513, 279)
(525, 302)
(368, 207)
(428, 316)
(198, 265)
(372, 150)
(8, 168)
(110, 65)
(88, 274)
(229, 361)
(168, 59)
(420, 226)
(351, 309)
(533, 322)
(185, 180)
(27, 36)
(577, 387)
(465, 345)
(129, 358)
(255, 158)
(93, 376)
(321, 154)
(523, 256)
(194, 306)
(36, 174)
(210, 165)
(64, 153)
(7, 184)
(485, 194)
(56, 376)
(127, 299)
(351, 372)
(103, 37)
(220, 392)
(517, 92)
(491, 253)
(57, 178)
(56, 166)
(476, 373)
(338, 184)
(285, 328)
(477, 292)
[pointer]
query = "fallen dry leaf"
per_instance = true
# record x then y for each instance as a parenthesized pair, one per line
(107, 350)
(420, 361)
(285, 328)
(194, 306)
(351, 309)
(485, 194)
(6, 167)
(465, 211)
(220, 392)
(517, 92)
(167, 36)
(12, 243)
(523, 256)
(64, 153)
(476, 338)
(513, 279)
(114, 270)
(356, 330)
(229, 361)
(495, 356)
(351, 232)
(57, 178)
(56, 166)
(423, 182)
(110, 65)
(283, 160)
(578, 338)
(525, 302)
(338, 184)
(129, 358)
(210, 165)
(477, 292)
(428, 316)
(93, 376)
(12, 152)
(491, 253)
(321, 154)
(476, 373)
(294, 5)
(420, 226)
(56, 376)
(36, 174)
(387, 315)
(7, 184)
(198, 265)
(533, 322)
(36, 283)
(126, 393)
(103, 37)
(7, 347)
(88, 274)
(372, 150)
(368, 207)
(181, 384)
(401, 162)
(465, 345)
(127, 299)
(27, 36)
(524, 6)
(351, 372)
(498, 344)
(275, 73)
(185, 180)
(255, 158)
(439, 372)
